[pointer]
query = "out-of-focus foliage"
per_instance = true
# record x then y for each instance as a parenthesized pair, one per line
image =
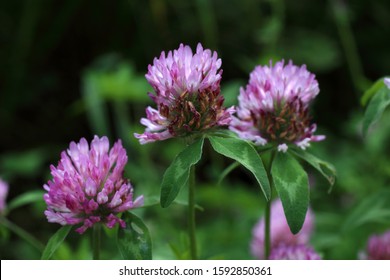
(376, 105)
(72, 69)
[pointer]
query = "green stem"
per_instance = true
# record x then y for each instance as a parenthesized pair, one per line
(96, 236)
(191, 213)
(22, 234)
(267, 233)
(267, 212)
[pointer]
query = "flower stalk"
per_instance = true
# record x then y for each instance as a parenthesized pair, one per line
(279, 231)
(96, 240)
(267, 212)
(191, 214)
(188, 103)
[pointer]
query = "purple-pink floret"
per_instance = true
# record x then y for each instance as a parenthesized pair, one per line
(3, 195)
(187, 94)
(294, 252)
(274, 106)
(378, 247)
(88, 186)
(280, 231)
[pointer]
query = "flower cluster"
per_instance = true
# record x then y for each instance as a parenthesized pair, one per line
(378, 247)
(282, 240)
(88, 186)
(187, 95)
(274, 106)
(3, 195)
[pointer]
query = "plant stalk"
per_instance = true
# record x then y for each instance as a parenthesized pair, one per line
(267, 212)
(191, 214)
(96, 239)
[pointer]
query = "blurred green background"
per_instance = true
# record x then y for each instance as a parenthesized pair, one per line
(72, 69)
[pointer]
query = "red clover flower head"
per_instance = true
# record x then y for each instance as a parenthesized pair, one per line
(294, 252)
(3, 195)
(88, 186)
(274, 106)
(280, 231)
(187, 95)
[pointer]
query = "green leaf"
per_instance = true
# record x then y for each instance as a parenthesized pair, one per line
(372, 91)
(376, 107)
(292, 185)
(326, 169)
(224, 133)
(177, 174)
(25, 198)
(246, 155)
(134, 240)
(55, 241)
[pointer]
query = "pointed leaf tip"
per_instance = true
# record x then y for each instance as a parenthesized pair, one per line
(55, 242)
(292, 184)
(325, 168)
(242, 152)
(375, 108)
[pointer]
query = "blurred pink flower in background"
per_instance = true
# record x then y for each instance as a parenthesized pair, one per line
(378, 247)
(3, 195)
(280, 231)
(294, 252)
